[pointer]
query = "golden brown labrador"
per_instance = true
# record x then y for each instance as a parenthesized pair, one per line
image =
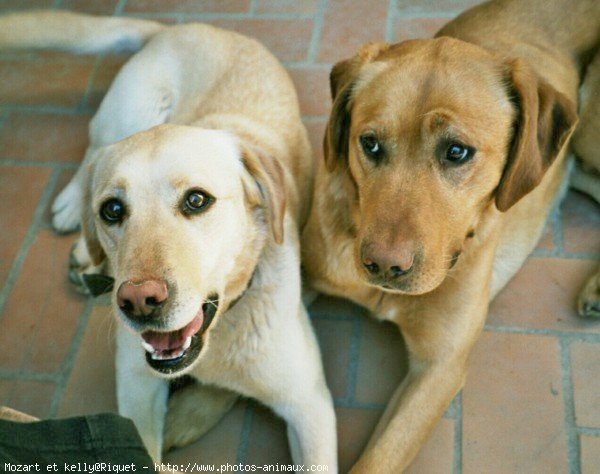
(443, 158)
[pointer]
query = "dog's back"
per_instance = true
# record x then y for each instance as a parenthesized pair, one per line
(216, 79)
(571, 26)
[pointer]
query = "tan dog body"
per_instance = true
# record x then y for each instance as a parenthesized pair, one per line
(199, 143)
(400, 227)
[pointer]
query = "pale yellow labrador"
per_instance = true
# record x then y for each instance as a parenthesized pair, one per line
(196, 180)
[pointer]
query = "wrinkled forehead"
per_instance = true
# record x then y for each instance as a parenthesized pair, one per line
(169, 156)
(459, 80)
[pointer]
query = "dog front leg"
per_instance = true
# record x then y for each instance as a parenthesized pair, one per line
(411, 415)
(439, 343)
(311, 429)
(297, 392)
(193, 411)
(141, 396)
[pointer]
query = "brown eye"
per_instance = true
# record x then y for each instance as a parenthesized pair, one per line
(458, 154)
(371, 147)
(196, 201)
(112, 211)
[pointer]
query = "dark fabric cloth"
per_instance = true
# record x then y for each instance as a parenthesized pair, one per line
(80, 444)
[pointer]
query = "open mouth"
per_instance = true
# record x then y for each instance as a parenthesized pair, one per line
(173, 351)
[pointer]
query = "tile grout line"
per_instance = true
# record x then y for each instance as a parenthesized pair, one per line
(390, 21)
(418, 14)
(48, 109)
(451, 412)
(119, 8)
(29, 239)
(245, 433)
(554, 220)
(24, 55)
(353, 363)
(573, 456)
(17, 375)
(253, 7)
(580, 255)
(587, 431)
(67, 365)
(457, 464)
(558, 237)
(211, 16)
(307, 65)
(558, 233)
(551, 223)
(12, 162)
(3, 117)
(29, 352)
(593, 338)
(88, 90)
(543, 253)
(315, 40)
(345, 403)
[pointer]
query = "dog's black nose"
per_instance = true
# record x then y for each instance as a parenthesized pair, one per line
(141, 299)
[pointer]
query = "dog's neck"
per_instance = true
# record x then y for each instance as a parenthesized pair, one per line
(233, 302)
(246, 262)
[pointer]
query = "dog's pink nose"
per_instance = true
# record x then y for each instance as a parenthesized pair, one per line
(140, 299)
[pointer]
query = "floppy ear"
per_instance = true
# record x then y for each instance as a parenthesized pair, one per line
(335, 141)
(341, 82)
(544, 122)
(268, 189)
(88, 226)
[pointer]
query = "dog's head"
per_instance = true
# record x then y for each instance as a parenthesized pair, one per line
(181, 214)
(430, 134)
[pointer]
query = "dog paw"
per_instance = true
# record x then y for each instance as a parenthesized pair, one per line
(193, 410)
(66, 209)
(87, 278)
(589, 298)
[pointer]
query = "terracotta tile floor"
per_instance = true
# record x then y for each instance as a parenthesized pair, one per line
(532, 400)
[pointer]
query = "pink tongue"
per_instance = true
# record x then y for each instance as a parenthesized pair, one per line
(162, 341)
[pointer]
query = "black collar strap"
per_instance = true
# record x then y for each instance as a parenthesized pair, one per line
(98, 284)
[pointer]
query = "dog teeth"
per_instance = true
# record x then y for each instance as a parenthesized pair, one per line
(166, 355)
(172, 355)
(147, 347)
